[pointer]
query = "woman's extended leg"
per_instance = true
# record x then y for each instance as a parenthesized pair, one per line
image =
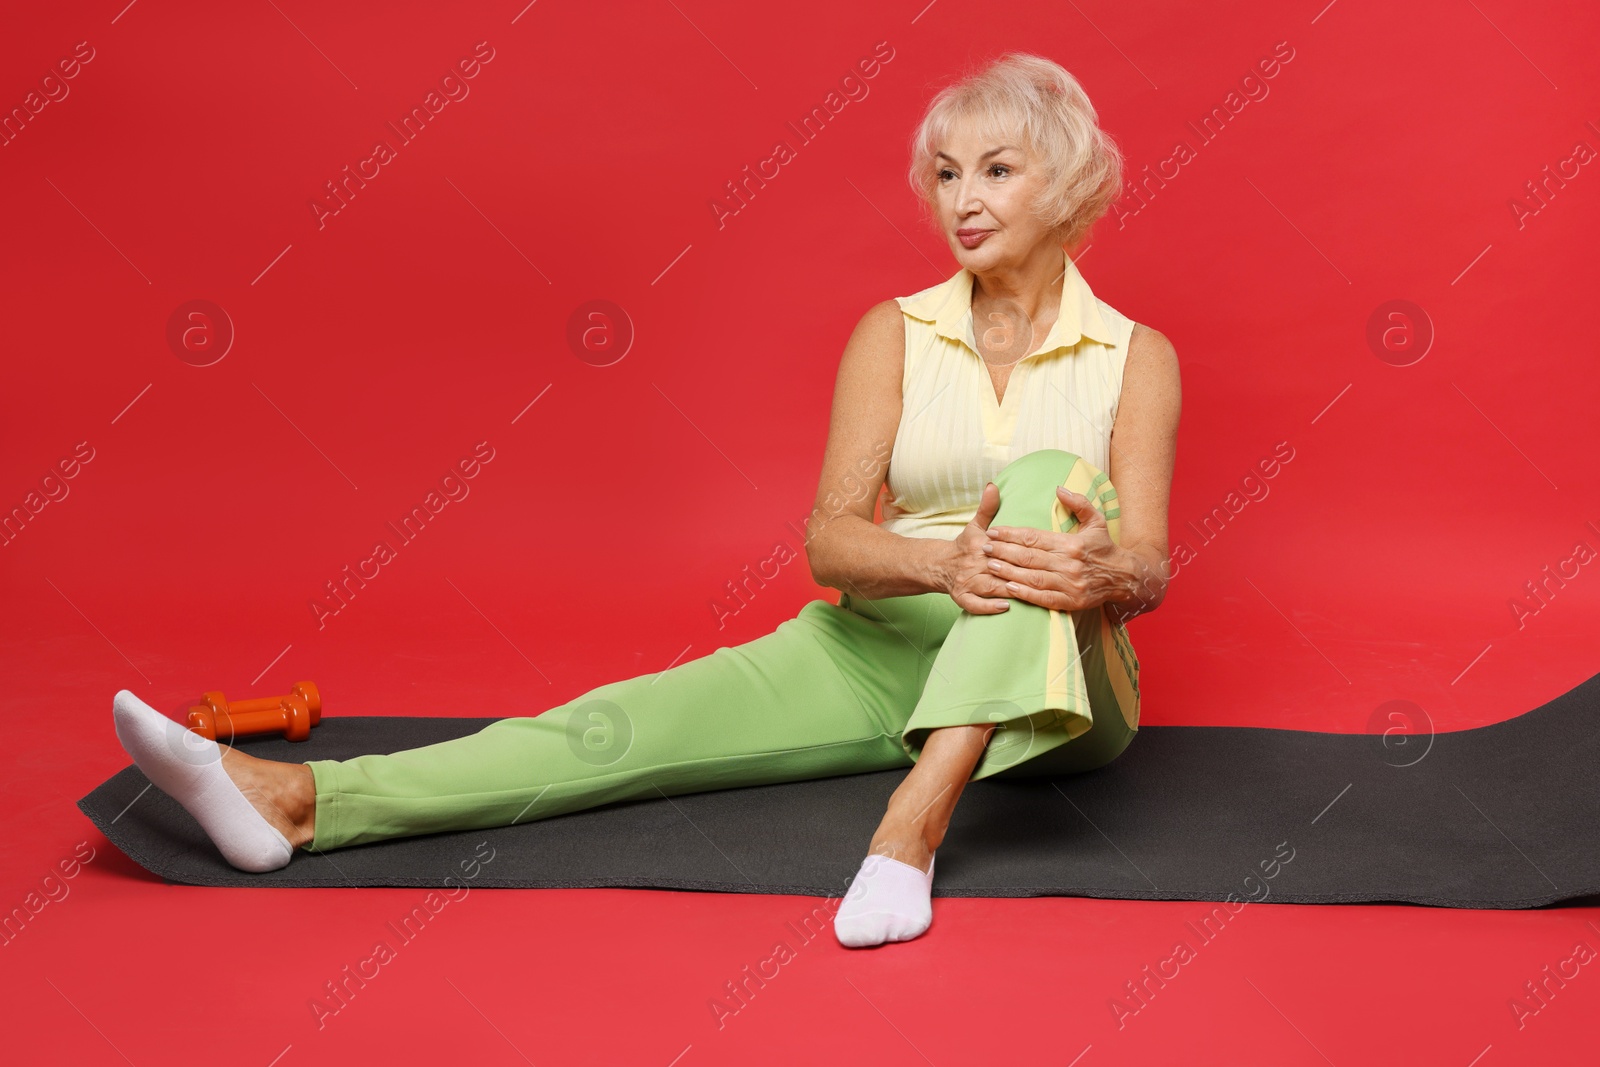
(825, 694)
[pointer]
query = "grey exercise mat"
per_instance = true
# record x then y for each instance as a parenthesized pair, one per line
(1502, 816)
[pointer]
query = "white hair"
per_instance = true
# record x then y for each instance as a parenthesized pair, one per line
(1037, 100)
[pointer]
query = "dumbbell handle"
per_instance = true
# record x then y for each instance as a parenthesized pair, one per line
(294, 714)
(238, 708)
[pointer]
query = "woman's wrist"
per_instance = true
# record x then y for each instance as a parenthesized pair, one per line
(924, 564)
(1140, 586)
(938, 568)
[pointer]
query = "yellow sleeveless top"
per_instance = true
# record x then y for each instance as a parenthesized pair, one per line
(954, 436)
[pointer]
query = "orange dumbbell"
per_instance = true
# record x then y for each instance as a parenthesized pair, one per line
(294, 714)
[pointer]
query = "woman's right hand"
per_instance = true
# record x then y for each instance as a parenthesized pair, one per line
(966, 574)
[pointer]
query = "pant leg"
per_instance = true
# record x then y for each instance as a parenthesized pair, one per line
(824, 694)
(1063, 686)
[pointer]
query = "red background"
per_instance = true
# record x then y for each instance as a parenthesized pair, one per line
(373, 352)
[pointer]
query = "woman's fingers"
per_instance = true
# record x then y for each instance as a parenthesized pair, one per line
(1033, 577)
(1036, 558)
(1082, 507)
(979, 605)
(984, 594)
(1021, 535)
(988, 505)
(1053, 599)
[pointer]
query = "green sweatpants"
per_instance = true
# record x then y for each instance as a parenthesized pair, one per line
(838, 689)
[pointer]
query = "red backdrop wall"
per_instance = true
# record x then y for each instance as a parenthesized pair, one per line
(1293, 171)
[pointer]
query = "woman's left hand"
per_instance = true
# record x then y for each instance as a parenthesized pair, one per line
(1061, 571)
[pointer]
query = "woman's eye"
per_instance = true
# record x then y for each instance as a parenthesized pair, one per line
(943, 174)
(1000, 167)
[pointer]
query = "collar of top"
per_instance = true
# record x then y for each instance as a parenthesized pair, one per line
(948, 306)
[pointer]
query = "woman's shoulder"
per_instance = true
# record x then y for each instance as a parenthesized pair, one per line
(882, 322)
(879, 338)
(876, 350)
(1150, 343)
(1146, 339)
(1152, 362)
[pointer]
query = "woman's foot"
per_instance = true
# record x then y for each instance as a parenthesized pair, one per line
(888, 901)
(255, 817)
(891, 898)
(284, 793)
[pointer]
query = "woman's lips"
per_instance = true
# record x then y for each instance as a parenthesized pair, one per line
(972, 238)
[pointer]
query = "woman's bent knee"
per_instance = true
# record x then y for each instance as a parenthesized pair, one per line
(1028, 498)
(1046, 464)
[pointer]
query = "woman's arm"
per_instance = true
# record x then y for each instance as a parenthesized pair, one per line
(1144, 447)
(847, 550)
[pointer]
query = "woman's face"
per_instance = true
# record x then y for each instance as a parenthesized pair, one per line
(984, 191)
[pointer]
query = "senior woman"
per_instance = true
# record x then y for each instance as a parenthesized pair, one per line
(981, 626)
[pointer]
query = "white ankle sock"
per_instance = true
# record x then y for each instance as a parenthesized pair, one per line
(188, 768)
(887, 901)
